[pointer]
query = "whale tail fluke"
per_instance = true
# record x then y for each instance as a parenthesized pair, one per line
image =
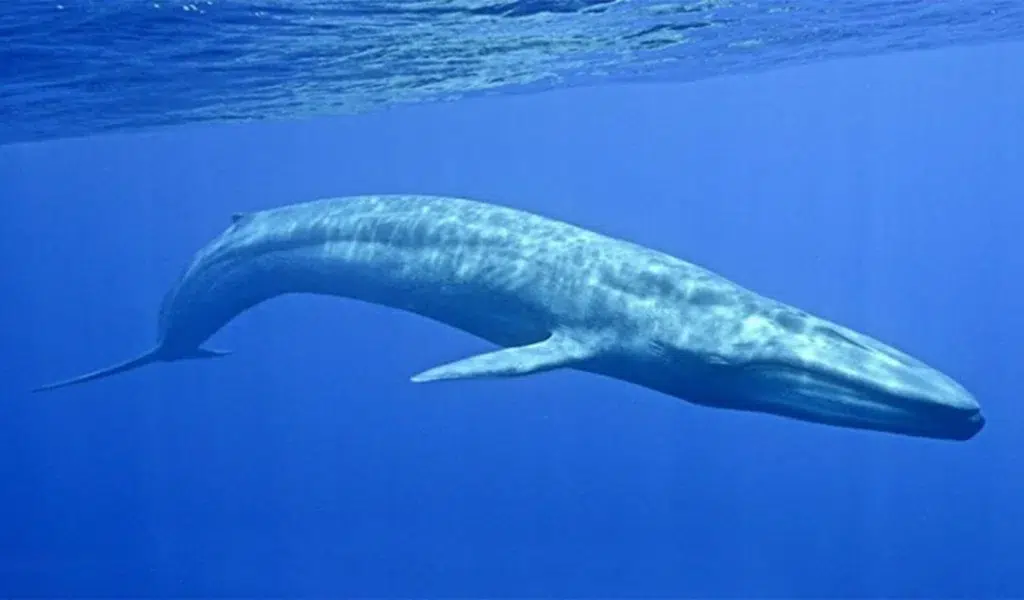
(154, 355)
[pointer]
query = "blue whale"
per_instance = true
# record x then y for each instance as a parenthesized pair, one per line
(551, 296)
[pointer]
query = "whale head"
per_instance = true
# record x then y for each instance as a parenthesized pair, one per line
(817, 371)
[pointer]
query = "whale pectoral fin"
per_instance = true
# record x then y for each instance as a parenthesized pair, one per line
(558, 351)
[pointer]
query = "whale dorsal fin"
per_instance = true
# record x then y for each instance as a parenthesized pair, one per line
(560, 350)
(238, 216)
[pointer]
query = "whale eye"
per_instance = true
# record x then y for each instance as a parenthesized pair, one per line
(792, 321)
(238, 216)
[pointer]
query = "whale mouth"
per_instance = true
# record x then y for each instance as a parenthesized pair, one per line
(822, 397)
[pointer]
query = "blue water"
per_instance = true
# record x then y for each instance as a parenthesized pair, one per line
(81, 67)
(882, 192)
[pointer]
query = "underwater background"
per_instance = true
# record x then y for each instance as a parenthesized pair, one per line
(859, 160)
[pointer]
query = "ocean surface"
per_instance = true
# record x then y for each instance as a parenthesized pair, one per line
(81, 67)
(859, 160)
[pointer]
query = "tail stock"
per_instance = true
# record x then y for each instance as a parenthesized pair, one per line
(154, 355)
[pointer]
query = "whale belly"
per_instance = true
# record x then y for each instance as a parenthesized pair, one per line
(473, 293)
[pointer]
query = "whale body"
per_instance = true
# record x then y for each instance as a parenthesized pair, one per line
(551, 295)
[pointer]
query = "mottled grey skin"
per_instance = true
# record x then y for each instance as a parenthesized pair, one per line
(552, 295)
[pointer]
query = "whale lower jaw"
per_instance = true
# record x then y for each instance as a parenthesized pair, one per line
(960, 430)
(863, 414)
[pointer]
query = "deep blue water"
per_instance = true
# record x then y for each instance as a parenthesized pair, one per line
(80, 67)
(880, 192)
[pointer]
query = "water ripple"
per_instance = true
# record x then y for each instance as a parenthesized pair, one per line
(82, 67)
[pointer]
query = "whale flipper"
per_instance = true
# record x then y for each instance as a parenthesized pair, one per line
(557, 351)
